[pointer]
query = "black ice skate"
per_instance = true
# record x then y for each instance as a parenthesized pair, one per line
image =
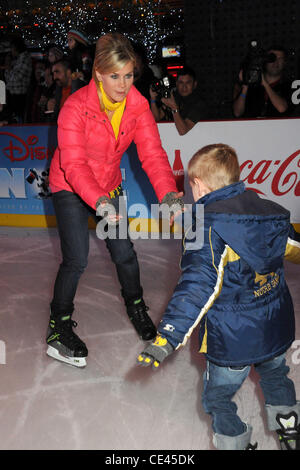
(63, 344)
(251, 446)
(289, 432)
(137, 312)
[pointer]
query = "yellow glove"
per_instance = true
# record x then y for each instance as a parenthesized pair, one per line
(155, 353)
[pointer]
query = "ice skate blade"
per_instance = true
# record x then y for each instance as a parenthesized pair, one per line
(73, 361)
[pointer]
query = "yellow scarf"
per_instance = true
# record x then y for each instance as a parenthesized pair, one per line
(118, 109)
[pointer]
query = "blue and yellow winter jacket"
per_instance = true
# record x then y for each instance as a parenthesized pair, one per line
(234, 286)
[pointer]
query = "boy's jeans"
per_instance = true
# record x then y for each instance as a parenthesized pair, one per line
(221, 384)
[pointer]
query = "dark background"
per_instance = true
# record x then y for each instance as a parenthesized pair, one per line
(214, 35)
(217, 34)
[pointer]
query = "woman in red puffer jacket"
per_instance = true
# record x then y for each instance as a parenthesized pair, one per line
(95, 127)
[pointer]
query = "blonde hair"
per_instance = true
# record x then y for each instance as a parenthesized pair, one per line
(113, 52)
(216, 165)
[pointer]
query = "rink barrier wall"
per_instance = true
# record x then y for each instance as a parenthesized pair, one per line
(268, 150)
(49, 221)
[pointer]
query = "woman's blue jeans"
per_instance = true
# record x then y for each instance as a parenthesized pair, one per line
(221, 384)
(72, 220)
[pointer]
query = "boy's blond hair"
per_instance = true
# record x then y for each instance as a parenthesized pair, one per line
(216, 165)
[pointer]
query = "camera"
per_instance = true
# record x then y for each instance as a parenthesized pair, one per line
(162, 87)
(254, 63)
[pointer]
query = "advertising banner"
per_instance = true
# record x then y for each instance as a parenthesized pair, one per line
(25, 156)
(268, 150)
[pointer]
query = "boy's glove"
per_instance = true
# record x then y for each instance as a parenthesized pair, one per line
(155, 353)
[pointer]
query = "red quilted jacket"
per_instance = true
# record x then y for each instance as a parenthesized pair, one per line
(87, 159)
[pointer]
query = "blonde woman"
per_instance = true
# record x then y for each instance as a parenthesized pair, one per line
(95, 127)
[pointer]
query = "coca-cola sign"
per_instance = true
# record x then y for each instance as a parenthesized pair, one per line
(268, 152)
(281, 175)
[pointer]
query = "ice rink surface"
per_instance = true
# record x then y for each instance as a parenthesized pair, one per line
(112, 403)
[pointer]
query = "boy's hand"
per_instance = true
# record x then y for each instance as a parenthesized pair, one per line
(155, 353)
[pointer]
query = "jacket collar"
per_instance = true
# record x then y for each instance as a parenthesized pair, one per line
(227, 192)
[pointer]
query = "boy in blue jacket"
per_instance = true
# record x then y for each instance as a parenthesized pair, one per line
(234, 288)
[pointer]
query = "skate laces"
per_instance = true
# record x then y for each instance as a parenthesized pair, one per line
(139, 311)
(68, 325)
(67, 328)
(64, 328)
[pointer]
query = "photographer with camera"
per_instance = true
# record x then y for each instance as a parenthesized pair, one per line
(183, 104)
(262, 90)
(160, 88)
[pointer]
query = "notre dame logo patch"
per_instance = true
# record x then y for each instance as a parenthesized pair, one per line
(266, 283)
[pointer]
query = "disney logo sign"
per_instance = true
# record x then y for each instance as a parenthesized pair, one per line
(19, 149)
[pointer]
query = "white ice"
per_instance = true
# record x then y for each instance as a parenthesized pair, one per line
(112, 403)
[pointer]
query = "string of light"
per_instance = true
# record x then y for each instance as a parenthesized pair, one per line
(140, 21)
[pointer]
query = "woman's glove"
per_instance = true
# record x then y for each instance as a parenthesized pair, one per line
(175, 203)
(106, 209)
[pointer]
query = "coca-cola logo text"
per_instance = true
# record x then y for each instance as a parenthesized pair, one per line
(280, 174)
(19, 150)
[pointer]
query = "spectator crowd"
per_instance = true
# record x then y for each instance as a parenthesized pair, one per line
(36, 89)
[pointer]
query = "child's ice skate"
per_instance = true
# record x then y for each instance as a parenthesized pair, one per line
(251, 446)
(63, 344)
(289, 432)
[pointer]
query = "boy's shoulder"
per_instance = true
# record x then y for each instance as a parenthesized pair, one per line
(247, 203)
